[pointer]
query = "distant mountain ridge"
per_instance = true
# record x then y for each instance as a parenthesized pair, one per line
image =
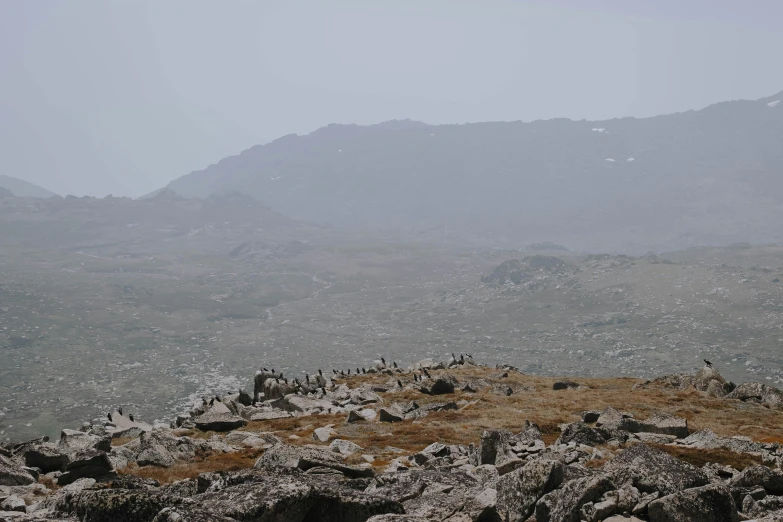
(711, 176)
(24, 189)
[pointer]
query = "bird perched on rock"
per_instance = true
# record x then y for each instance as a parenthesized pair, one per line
(461, 359)
(320, 372)
(426, 373)
(211, 402)
(357, 371)
(383, 361)
(119, 410)
(130, 416)
(109, 416)
(399, 383)
(364, 371)
(415, 377)
(349, 371)
(708, 363)
(395, 364)
(217, 398)
(307, 378)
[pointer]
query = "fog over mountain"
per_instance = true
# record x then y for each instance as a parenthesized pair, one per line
(24, 189)
(700, 177)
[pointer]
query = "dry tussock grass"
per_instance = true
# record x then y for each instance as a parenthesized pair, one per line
(699, 457)
(543, 405)
(549, 408)
(119, 441)
(201, 464)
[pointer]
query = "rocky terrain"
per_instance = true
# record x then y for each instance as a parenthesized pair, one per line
(446, 441)
(148, 304)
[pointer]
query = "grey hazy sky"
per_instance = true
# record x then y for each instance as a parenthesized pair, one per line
(120, 97)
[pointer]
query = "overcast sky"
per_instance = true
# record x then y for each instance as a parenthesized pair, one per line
(117, 97)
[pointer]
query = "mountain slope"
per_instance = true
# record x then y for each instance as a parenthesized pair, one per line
(707, 176)
(24, 189)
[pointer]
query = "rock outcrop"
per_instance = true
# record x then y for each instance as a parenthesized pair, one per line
(599, 469)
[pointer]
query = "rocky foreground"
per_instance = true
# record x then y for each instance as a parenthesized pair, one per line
(452, 441)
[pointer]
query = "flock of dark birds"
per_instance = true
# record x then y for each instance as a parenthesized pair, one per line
(119, 410)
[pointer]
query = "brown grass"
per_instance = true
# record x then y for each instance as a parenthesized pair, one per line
(201, 464)
(119, 441)
(700, 457)
(49, 483)
(546, 407)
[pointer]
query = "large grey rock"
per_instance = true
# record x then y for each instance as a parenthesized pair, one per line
(581, 433)
(758, 392)
(123, 427)
(390, 415)
(259, 380)
(13, 475)
(711, 503)
(155, 455)
(565, 504)
(88, 464)
(212, 421)
(46, 457)
(344, 447)
(434, 494)
(651, 469)
(364, 396)
(361, 415)
(709, 380)
(482, 506)
(660, 423)
(769, 479)
(441, 384)
(495, 447)
(304, 458)
(433, 451)
(134, 482)
(665, 424)
(323, 434)
(117, 505)
(519, 490)
(706, 439)
(262, 414)
(72, 442)
(80, 484)
(13, 503)
(161, 448)
(425, 410)
(765, 508)
(188, 513)
(277, 389)
(291, 498)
